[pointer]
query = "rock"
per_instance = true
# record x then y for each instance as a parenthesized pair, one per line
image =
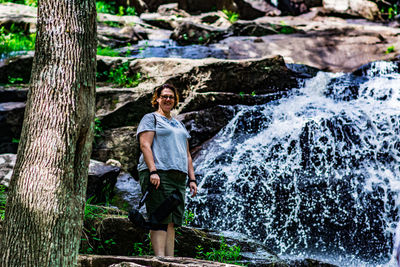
(13, 94)
(172, 10)
(248, 10)
(194, 6)
(204, 124)
(120, 144)
(154, 4)
(11, 118)
(16, 67)
(169, 22)
(101, 181)
(7, 163)
(22, 16)
(124, 235)
(190, 33)
(359, 8)
(123, 261)
(244, 28)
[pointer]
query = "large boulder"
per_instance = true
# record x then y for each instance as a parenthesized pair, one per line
(249, 10)
(22, 16)
(101, 181)
(189, 33)
(358, 8)
(297, 7)
(119, 144)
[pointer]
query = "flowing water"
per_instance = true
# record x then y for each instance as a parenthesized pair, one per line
(313, 175)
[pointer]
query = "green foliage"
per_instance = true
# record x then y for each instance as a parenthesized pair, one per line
(3, 200)
(15, 80)
(92, 244)
(130, 11)
(22, 2)
(189, 217)
(390, 49)
(98, 129)
(106, 51)
(120, 76)
(231, 16)
(390, 12)
(225, 253)
(15, 141)
(141, 249)
(114, 24)
(106, 7)
(14, 40)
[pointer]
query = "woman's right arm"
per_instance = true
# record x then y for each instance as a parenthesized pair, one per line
(146, 140)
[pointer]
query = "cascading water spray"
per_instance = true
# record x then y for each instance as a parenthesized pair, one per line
(316, 174)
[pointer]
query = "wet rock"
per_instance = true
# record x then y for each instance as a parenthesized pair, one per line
(362, 8)
(190, 33)
(204, 124)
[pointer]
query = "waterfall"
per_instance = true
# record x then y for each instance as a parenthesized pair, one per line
(313, 175)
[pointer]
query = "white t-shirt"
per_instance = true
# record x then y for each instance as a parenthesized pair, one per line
(169, 144)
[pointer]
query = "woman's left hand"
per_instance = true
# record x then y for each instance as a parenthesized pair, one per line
(193, 189)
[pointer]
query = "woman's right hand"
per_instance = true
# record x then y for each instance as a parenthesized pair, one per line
(155, 180)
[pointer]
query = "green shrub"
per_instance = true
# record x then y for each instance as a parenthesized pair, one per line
(3, 199)
(225, 253)
(22, 2)
(119, 76)
(390, 49)
(106, 51)
(103, 7)
(14, 40)
(231, 16)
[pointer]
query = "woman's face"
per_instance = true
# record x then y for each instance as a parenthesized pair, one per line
(166, 100)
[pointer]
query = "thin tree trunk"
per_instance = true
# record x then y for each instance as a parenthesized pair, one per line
(46, 198)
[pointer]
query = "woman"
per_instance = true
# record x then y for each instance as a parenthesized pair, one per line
(165, 162)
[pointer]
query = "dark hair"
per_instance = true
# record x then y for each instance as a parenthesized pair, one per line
(157, 93)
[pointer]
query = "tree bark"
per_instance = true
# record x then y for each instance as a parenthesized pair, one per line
(44, 211)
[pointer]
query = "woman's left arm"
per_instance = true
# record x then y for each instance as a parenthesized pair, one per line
(192, 185)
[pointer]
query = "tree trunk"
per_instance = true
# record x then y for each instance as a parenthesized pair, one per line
(44, 211)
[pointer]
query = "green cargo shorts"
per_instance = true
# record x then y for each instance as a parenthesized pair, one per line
(169, 181)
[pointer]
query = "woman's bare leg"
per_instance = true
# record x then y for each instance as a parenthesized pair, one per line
(170, 240)
(158, 241)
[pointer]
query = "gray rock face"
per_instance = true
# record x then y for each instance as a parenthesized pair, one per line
(191, 33)
(360, 8)
(7, 162)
